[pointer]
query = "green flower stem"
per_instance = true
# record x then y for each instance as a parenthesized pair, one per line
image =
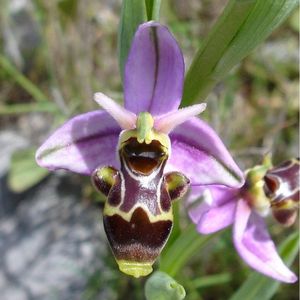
(24, 82)
(183, 248)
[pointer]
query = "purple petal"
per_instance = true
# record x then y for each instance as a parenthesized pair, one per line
(198, 152)
(255, 246)
(214, 195)
(154, 71)
(198, 202)
(82, 144)
(217, 218)
(217, 209)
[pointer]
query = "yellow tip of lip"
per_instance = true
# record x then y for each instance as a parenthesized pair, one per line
(135, 269)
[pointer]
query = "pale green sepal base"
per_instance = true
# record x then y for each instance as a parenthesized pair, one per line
(135, 269)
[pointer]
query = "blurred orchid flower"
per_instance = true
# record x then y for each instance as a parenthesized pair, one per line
(143, 155)
(266, 189)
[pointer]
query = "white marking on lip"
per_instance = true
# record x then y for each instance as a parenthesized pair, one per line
(123, 188)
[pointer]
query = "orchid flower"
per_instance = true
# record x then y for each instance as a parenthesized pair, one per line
(145, 154)
(266, 189)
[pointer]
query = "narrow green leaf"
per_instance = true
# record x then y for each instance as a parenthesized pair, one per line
(22, 80)
(242, 26)
(206, 281)
(153, 8)
(133, 13)
(12, 109)
(261, 287)
(184, 247)
(24, 172)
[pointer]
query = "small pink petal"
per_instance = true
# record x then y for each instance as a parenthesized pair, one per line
(196, 213)
(214, 195)
(217, 218)
(196, 203)
(166, 123)
(255, 246)
(216, 210)
(125, 118)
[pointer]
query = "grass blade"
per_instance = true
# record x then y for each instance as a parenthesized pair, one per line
(13, 109)
(211, 280)
(242, 26)
(22, 80)
(153, 8)
(133, 13)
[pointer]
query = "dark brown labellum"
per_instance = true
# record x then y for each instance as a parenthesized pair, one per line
(138, 212)
(138, 240)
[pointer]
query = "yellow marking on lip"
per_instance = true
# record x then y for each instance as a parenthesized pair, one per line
(107, 174)
(135, 269)
(164, 216)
